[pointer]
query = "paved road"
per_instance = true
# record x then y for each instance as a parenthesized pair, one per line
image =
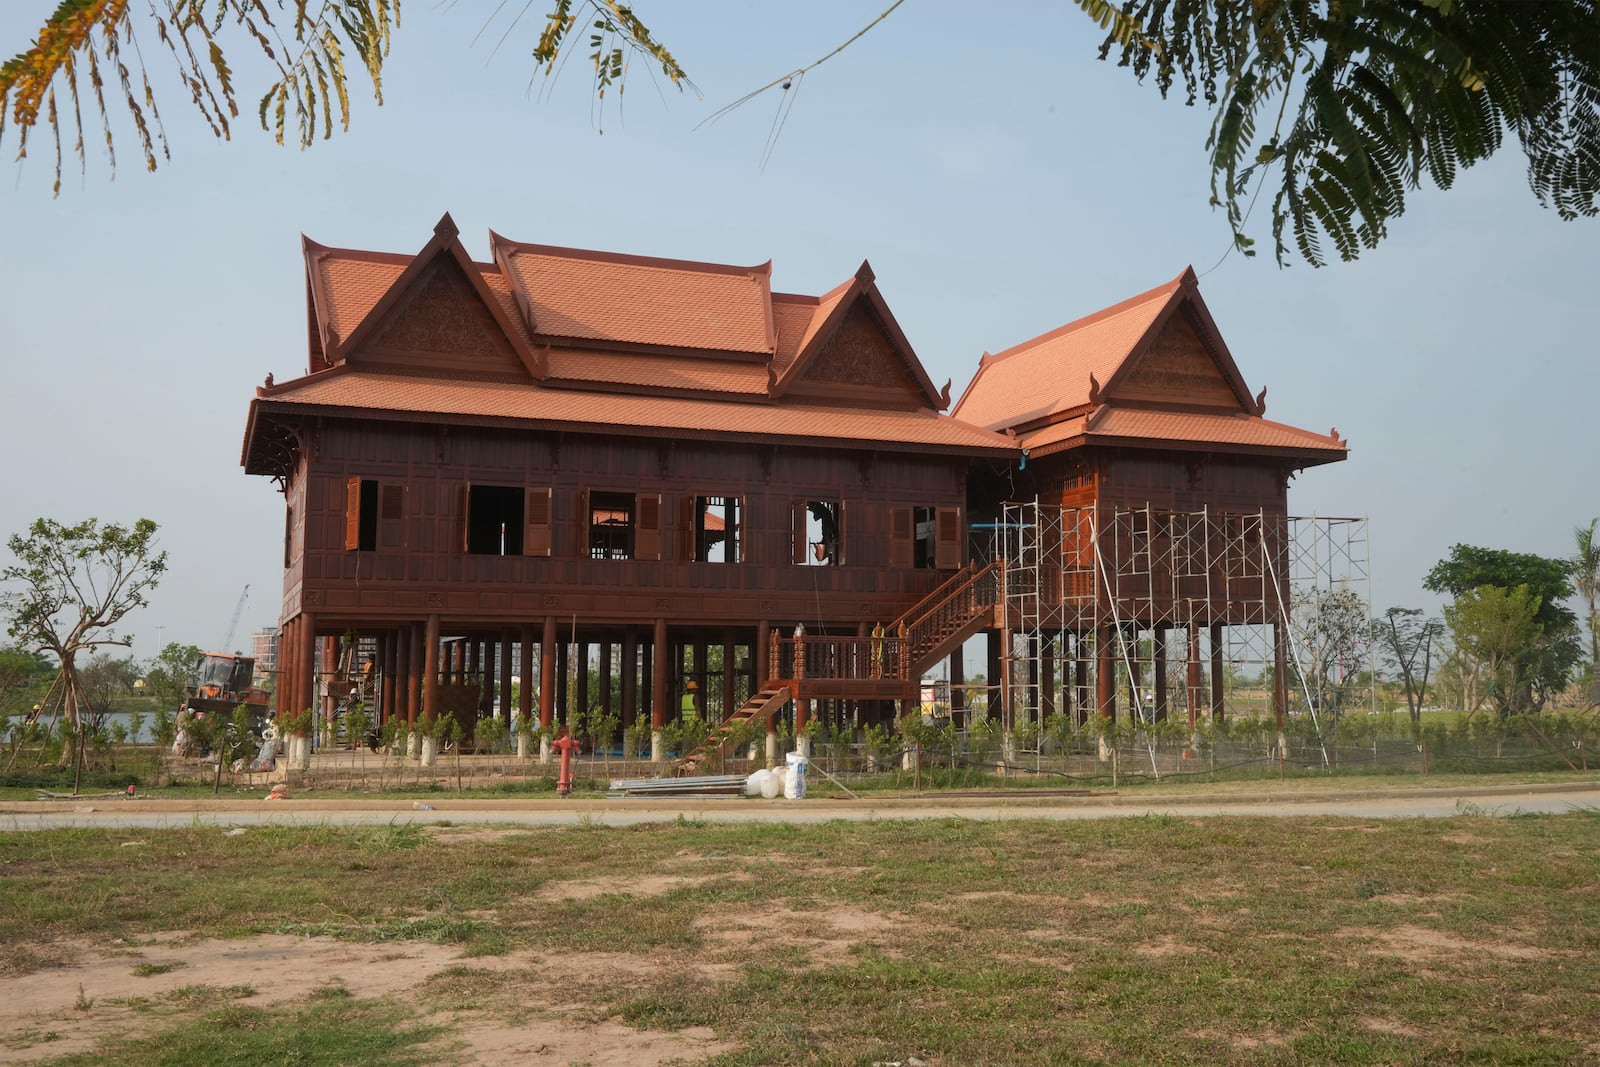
(1497, 801)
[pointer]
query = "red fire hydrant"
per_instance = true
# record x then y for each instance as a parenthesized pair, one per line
(568, 747)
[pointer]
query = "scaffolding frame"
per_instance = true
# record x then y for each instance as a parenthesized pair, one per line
(1191, 607)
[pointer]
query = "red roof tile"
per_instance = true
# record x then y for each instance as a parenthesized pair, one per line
(1050, 374)
(1113, 425)
(602, 412)
(601, 296)
(677, 373)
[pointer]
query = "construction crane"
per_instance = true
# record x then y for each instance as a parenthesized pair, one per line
(233, 624)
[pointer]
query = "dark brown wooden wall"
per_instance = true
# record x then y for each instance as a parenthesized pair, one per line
(432, 572)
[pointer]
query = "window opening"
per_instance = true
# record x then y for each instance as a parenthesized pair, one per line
(717, 529)
(611, 525)
(924, 547)
(494, 520)
(817, 529)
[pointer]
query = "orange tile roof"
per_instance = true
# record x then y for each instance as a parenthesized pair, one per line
(602, 412)
(1050, 374)
(1113, 425)
(602, 296)
(678, 373)
(349, 284)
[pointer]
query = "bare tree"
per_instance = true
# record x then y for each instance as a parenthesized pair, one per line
(1331, 634)
(1407, 642)
(68, 589)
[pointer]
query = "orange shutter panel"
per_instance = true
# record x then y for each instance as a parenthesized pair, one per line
(902, 529)
(947, 539)
(391, 516)
(536, 532)
(647, 527)
(797, 519)
(352, 514)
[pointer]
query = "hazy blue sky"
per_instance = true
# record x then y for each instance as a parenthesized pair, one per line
(999, 179)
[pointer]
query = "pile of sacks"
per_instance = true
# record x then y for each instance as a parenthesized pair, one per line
(789, 780)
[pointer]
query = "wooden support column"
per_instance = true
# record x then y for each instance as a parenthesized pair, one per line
(604, 677)
(958, 694)
(660, 660)
(474, 664)
(1135, 683)
(1280, 672)
(582, 674)
(700, 660)
(430, 670)
(505, 675)
(390, 643)
(758, 657)
(1217, 676)
(1080, 670)
(1105, 675)
(1195, 687)
(330, 667)
(1159, 644)
(547, 676)
(564, 683)
(1047, 676)
(525, 684)
(994, 666)
(307, 680)
(647, 674)
(414, 672)
(630, 678)
(729, 662)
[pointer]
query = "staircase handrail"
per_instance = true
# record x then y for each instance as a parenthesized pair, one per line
(957, 600)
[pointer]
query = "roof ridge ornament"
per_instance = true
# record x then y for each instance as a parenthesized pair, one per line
(1261, 402)
(1094, 389)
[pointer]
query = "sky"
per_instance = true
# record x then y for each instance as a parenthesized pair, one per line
(998, 178)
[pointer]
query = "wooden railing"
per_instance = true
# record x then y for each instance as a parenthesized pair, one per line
(949, 608)
(891, 655)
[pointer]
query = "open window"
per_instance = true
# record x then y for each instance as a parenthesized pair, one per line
(623, 525)
(925, 537)
(715, 525)
(817, 528)
(374, 515)
(494, 520)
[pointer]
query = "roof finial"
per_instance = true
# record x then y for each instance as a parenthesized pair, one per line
(446, 227)
(1261, 401)
(944, 394)
(1094, 389)
(268, 382)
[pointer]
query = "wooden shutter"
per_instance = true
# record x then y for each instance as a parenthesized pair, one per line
(797, 531)
(647, 526)
(391, 516)
(732, 535)
(352, 514)
(536, 522)
(693, 530)
(947, 539)
(902, 535)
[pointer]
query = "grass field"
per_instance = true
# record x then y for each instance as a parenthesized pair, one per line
(1146, 940)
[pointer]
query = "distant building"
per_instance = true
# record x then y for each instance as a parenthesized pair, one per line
(266, 654)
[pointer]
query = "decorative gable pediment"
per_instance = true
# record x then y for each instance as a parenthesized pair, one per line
(1175, 368)
(860, 353)
(440, 323)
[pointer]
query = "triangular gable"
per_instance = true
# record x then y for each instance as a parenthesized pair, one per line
(1180, 361)
(859, 349)
(440, 315)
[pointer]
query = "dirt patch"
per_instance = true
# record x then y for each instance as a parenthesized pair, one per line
(1389, 1026)
(826, 937)
(650, 885)
(470, 835)
(1162, 947)
(602, 1044)
(1418, 944)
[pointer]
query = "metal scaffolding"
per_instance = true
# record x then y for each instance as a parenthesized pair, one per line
(1182, 614)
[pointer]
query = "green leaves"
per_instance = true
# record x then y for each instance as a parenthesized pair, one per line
(1394, 91)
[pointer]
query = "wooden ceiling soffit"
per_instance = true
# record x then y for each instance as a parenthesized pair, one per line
(441, 306)
(860, 344)
(1181, 359)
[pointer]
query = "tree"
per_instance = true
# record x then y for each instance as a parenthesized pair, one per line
(170, 672)
(1585, 564)
(1344, 104)
(104, 679)
(1332, 634)
(1406, 640)
(1546, 660)
(1493, 629)
(69, 588)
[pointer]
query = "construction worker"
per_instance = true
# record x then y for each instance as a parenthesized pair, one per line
(691, 701)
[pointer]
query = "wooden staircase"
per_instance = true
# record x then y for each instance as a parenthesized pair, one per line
(760, 707)
(867, 668)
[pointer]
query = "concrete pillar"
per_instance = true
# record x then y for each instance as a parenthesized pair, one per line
(430, 671)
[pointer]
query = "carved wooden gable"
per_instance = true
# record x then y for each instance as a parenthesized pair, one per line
(441, 324)
(1177, 369)
(861, 354)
